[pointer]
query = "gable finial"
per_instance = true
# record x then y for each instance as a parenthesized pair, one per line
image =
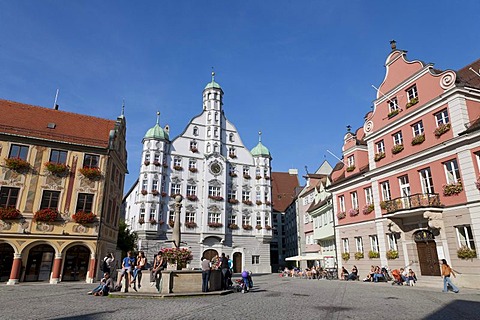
(158, 117)
(393, 44)
(213, 75)
(123, 108)
(259, 136)
(349, 128)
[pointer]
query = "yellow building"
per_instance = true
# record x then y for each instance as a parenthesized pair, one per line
(61, 184)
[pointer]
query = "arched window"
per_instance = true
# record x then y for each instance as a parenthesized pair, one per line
(195, 131)
(215, 147)
(209, 148)
(209, 117)
(231, 137)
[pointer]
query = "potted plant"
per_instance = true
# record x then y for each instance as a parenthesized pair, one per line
(190, 224)
(194, 149)
(353, 212)
(383, 205)
(233, 174)
(267, 178)
(155, 192)
(368, 208)
(350, 168)
(258, 227)
(83, 217)
(216, 198)
(233, 226)
(397, 148)
(466, 253)
(258, 203)
(193, 169)
(146, 162)
(373, 254)
(215, 225)
(192, 197)
(392, 254)
(452, 189)
(233, 201)
(379, 156)
(267, 227)
(46, 215)
(247, 227)
(9, 213)
(358, 255)
(418, 139)
(441, 129)
(247, 202)
(393, 113)
(152, 221)
(258, 177)
(177, 256)
(178, 168)
(341, 215)
(156, 163)
(346, 256)
(268, 203)
(246, 176)
(144, 192)
(17, 164)
(91, 173)
(58, 169)
(171, 223)
(412, 102)
(232, 155)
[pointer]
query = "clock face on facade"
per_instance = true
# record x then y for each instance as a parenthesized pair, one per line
(216, 168)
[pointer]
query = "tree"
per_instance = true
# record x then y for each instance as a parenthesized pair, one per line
(126, 240)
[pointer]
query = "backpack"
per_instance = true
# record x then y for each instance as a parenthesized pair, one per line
(105, 267)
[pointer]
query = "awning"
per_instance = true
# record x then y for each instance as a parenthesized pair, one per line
(294, 258)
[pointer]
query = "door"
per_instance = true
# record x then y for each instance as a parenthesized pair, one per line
(210, 254)
(76, 264)
(6, 261)
(428, 258)
(39, 263)
(404, 191)
(237, 262)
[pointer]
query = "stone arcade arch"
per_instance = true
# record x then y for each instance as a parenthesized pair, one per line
(6, 261)
(39, 263)
(75, 267)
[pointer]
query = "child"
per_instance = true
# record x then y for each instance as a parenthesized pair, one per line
(412, 278)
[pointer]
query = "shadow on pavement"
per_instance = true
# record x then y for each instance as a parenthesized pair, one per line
(458, 309)
(87, 316)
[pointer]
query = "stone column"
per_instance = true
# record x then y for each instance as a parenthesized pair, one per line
(92, 269)
(16, 267)
(176, 236)
(57, 265)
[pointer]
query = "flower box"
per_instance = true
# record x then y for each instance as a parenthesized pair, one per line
(268, 203)
(215, 225)
(141, 220)
(193, 169)
(350, 168)
(341, 215)
(192, 197)
(232, 155)
(146, 162)
(194, 149)
(247, 202)
(163, 194)
(346, 256)
(258, 177)
(155, 192)
(144, 192)
(246, 176)
(174, 195)
(178, 168)
(466, 253)
(216, 198)
(233, 174)
(190, 224)
(161, 222)
(368, 208)
(91, 173)
(233, 226)
(58, 169)
(441, 129)
(83, 217)
(353, 212)
(17, 164)
(258, 202)
(247, 227)
(412, 102)
(171, 223)
(379, 156)
(156, 163)
(258, 227)
(267, 227)
(267, 178)
(383, 205)
(452, 189)
(46, 215)
(418, 139)
(9, 213)
(397, 148)
(393, 113)
(359, 255)
(152, 222)
(233, 201)
(178, 256)
(392, 254)
(373, 254)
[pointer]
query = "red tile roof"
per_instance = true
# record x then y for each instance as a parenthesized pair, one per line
(469, 77)
(32, 121)
(284, 186)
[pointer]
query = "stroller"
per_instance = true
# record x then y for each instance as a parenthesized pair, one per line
(244, 284)
(397, 277)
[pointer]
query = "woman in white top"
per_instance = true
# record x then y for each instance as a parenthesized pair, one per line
(137, 273)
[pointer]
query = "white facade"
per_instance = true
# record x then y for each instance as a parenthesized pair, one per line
(223, 185)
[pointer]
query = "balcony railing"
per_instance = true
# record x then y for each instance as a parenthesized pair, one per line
(419, 200)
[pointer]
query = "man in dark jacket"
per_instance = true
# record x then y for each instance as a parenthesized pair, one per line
(225, 271)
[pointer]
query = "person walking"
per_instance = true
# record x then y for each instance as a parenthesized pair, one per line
(446, 273)
(205, 274)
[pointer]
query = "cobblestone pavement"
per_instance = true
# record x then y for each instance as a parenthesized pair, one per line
(271, 298)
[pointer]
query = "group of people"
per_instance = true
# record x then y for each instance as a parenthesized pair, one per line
(314, 272)
(223, 263)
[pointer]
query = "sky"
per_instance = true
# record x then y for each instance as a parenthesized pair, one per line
(299, 71)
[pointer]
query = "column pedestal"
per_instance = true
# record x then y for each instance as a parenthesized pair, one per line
(57, 265)
(15, 272)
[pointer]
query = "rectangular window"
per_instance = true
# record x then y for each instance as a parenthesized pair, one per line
(50, 199)
(354, 197)
(393, 104)
(306, 218)
(368, 196)
(177, 162)
(345, 245)
(245, 195)
(189, 216)
(442, 117)
(386, 195)
(18, 151)
(8, 197)
(258, 196)
(451, 171)
(144, 184)
(142, 214)
(404, 184)
(246, 171)
(175, 189)
(191, 190)
(232, 219)
(171, 216)
(351, 161)
(214, 191)
(392, 241)
(380, 146)
(426, 180)
(156, 157)
(192, 164)
(259, 220)
(397, 138)
(255, 259)
(341, 203)
(155, 185)
(267, 219)
(232, 194)
(246, 220)
(465, 237)
(58, 156)
(153, 214)
(359, 244)
(374, 243)
(91, 161)
(147, 156)
(213, 217)
(412, 93)
(417, 128)
(84, 202)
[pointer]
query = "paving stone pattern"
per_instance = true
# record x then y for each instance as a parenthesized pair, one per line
(273, 297)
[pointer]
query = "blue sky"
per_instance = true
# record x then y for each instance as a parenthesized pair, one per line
(299, 71)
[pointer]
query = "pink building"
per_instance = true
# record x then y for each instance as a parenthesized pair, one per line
(407, 194)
